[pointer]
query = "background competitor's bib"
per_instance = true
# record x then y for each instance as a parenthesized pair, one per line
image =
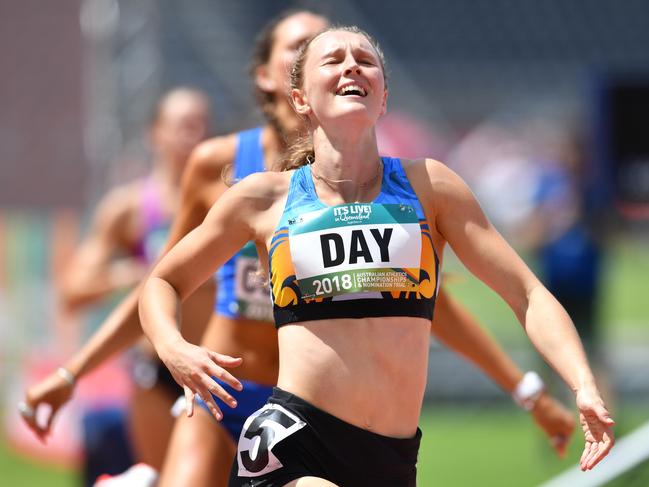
(251, 292)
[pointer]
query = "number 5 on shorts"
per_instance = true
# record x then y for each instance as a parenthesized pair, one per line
(261, 432)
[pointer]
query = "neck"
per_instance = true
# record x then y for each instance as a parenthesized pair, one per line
(273, 142)
(166, 175)
(346, 165)
(345, 156)
(288, 123)
(280, 132)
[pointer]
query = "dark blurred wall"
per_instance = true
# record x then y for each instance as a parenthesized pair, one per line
(41, 154)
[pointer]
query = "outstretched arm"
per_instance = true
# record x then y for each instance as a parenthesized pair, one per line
(454, 326)
(460, 221)
(227, 227)
(202, 184)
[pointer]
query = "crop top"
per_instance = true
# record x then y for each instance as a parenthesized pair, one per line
(155, 223)
(353, 260)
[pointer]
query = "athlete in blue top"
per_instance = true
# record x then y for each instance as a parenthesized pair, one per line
(351, 376)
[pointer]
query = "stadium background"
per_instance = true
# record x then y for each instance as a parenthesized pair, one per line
(469, 81)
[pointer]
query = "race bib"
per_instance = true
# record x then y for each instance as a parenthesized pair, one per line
(252, 293)
(261, 432)
(356, 248)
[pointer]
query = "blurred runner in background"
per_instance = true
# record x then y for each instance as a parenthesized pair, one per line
(126, 235)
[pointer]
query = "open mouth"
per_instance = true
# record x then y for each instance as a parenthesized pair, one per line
(351, 90)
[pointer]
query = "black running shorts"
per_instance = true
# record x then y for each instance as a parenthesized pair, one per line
(289, 438)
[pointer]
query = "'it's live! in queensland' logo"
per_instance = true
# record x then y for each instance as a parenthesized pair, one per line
(352, 213)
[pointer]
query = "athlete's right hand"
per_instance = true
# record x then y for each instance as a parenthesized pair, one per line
(194, 368)
(53, 390)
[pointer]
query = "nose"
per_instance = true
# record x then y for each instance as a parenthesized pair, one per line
(351, 66)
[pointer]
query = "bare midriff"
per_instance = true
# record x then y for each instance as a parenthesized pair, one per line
(254, 341)
(369, 372)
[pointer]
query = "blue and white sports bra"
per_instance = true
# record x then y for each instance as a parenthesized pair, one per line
(240, 288)
(353, 260)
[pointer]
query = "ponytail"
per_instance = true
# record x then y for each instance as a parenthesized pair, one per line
(298, 154)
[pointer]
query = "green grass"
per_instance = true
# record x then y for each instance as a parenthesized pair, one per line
(461, 447)
(498, 447)
(484, 448)
(625, 308)
(16, 470)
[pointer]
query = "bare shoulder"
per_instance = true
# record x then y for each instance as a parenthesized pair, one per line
(430, 168)
(256, 202)
(268, 185)
(121, 202)
(211, 157)
(118, 214)
(262, 197)
(438, 187)
(204, 179)
(436, 175)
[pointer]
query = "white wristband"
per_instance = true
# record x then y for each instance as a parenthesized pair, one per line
(528, 390)
(66, 375)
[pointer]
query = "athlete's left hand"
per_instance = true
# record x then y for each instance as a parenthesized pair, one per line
(597, 424)
(555, 420)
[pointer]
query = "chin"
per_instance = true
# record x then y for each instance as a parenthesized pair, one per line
(356, 115)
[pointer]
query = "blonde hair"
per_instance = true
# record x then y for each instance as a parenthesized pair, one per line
(301, 152)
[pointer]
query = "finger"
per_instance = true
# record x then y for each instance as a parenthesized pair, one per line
(201, 390)
(35, 428)
(205, 394)
(38, 431)
(225, 376)
(584, 454)
(224, 360)
(604, 416)
(27, 411)
(209, 401)
(591, 455)
(49, 421)
(28, 414)
(559, 443)
(219, 391)
(594, 460)
(189, 401)
(603, 449)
